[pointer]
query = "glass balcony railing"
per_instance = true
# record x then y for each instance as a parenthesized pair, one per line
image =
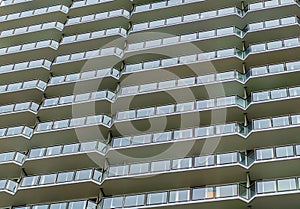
(78, 204)
(275, 94)
(41, 85)
(181, 108)
(78, 148)
(181, 196)
(287, 43)
(186, 38)
(205, 193)
(176, 135)
(73, 123)
(9, 186)
(32, 28)
(10, 2)
(186, 19)
(113, 51)
(162, 5)
(16, 157)
(184, 60)
(19, 107)
(28, 47)
(271, 24)
(276, 122)
(273, 69)
(36, 12)
(180, 83)
(77, 77)
(79, 98)
(176, 164)
(98, 16)
(83, 3)
(62, 177)
(25, 66)
(94, 35)
(280, 152)
(23, 131)
(269, 4)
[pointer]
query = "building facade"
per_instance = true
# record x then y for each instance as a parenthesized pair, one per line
(149, 104)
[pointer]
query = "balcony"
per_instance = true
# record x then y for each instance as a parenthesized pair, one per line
(275, 51)
(272, 29)
(199, 63)
(15, 138)
(79, 204)
(207, 196)
(70, 130)
(283, 101)
(83, 82)
(20, 92)
(82, 61)
(19, 114)
(66, 157)
(213, 169)
(33, 33)
(78, 104)
(36, 50)
(189, 23)
(276, 74)
(272, 9)
(189, 114)
(92, 40)
(10, 164)
(188, 43)
(59, 186)
(84, 7)
(91, 22)
(169, 8)
(25, 71)
(31, 17)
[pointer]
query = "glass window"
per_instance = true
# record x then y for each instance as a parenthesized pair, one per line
(62, 205)
(39, 207)
(189, 106)
(60, 124)
(280, 121)
(183, 134)
(205, 104)
(157, 198)
(71, 148)
(145, 112)
(143, 139)
(50, 102)
(165, 109)
(88, 146)
(53, 150)
(179, 196)
(121, 142)
(262, 124)
(276, 68)
(134, 200)
(204, 131)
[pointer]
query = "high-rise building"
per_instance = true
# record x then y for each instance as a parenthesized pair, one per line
(149, 104)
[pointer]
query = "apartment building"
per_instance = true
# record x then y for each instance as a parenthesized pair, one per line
(149, 104)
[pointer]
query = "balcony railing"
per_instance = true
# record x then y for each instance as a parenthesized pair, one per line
(25, 66)
(15, 157)
(79, 98)
(79, 204)
(99, 16)
(32, 28)
(83, 3)
(36, 12)
(20, 107)
(10, 2)
(16, 131)
(23, 86)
